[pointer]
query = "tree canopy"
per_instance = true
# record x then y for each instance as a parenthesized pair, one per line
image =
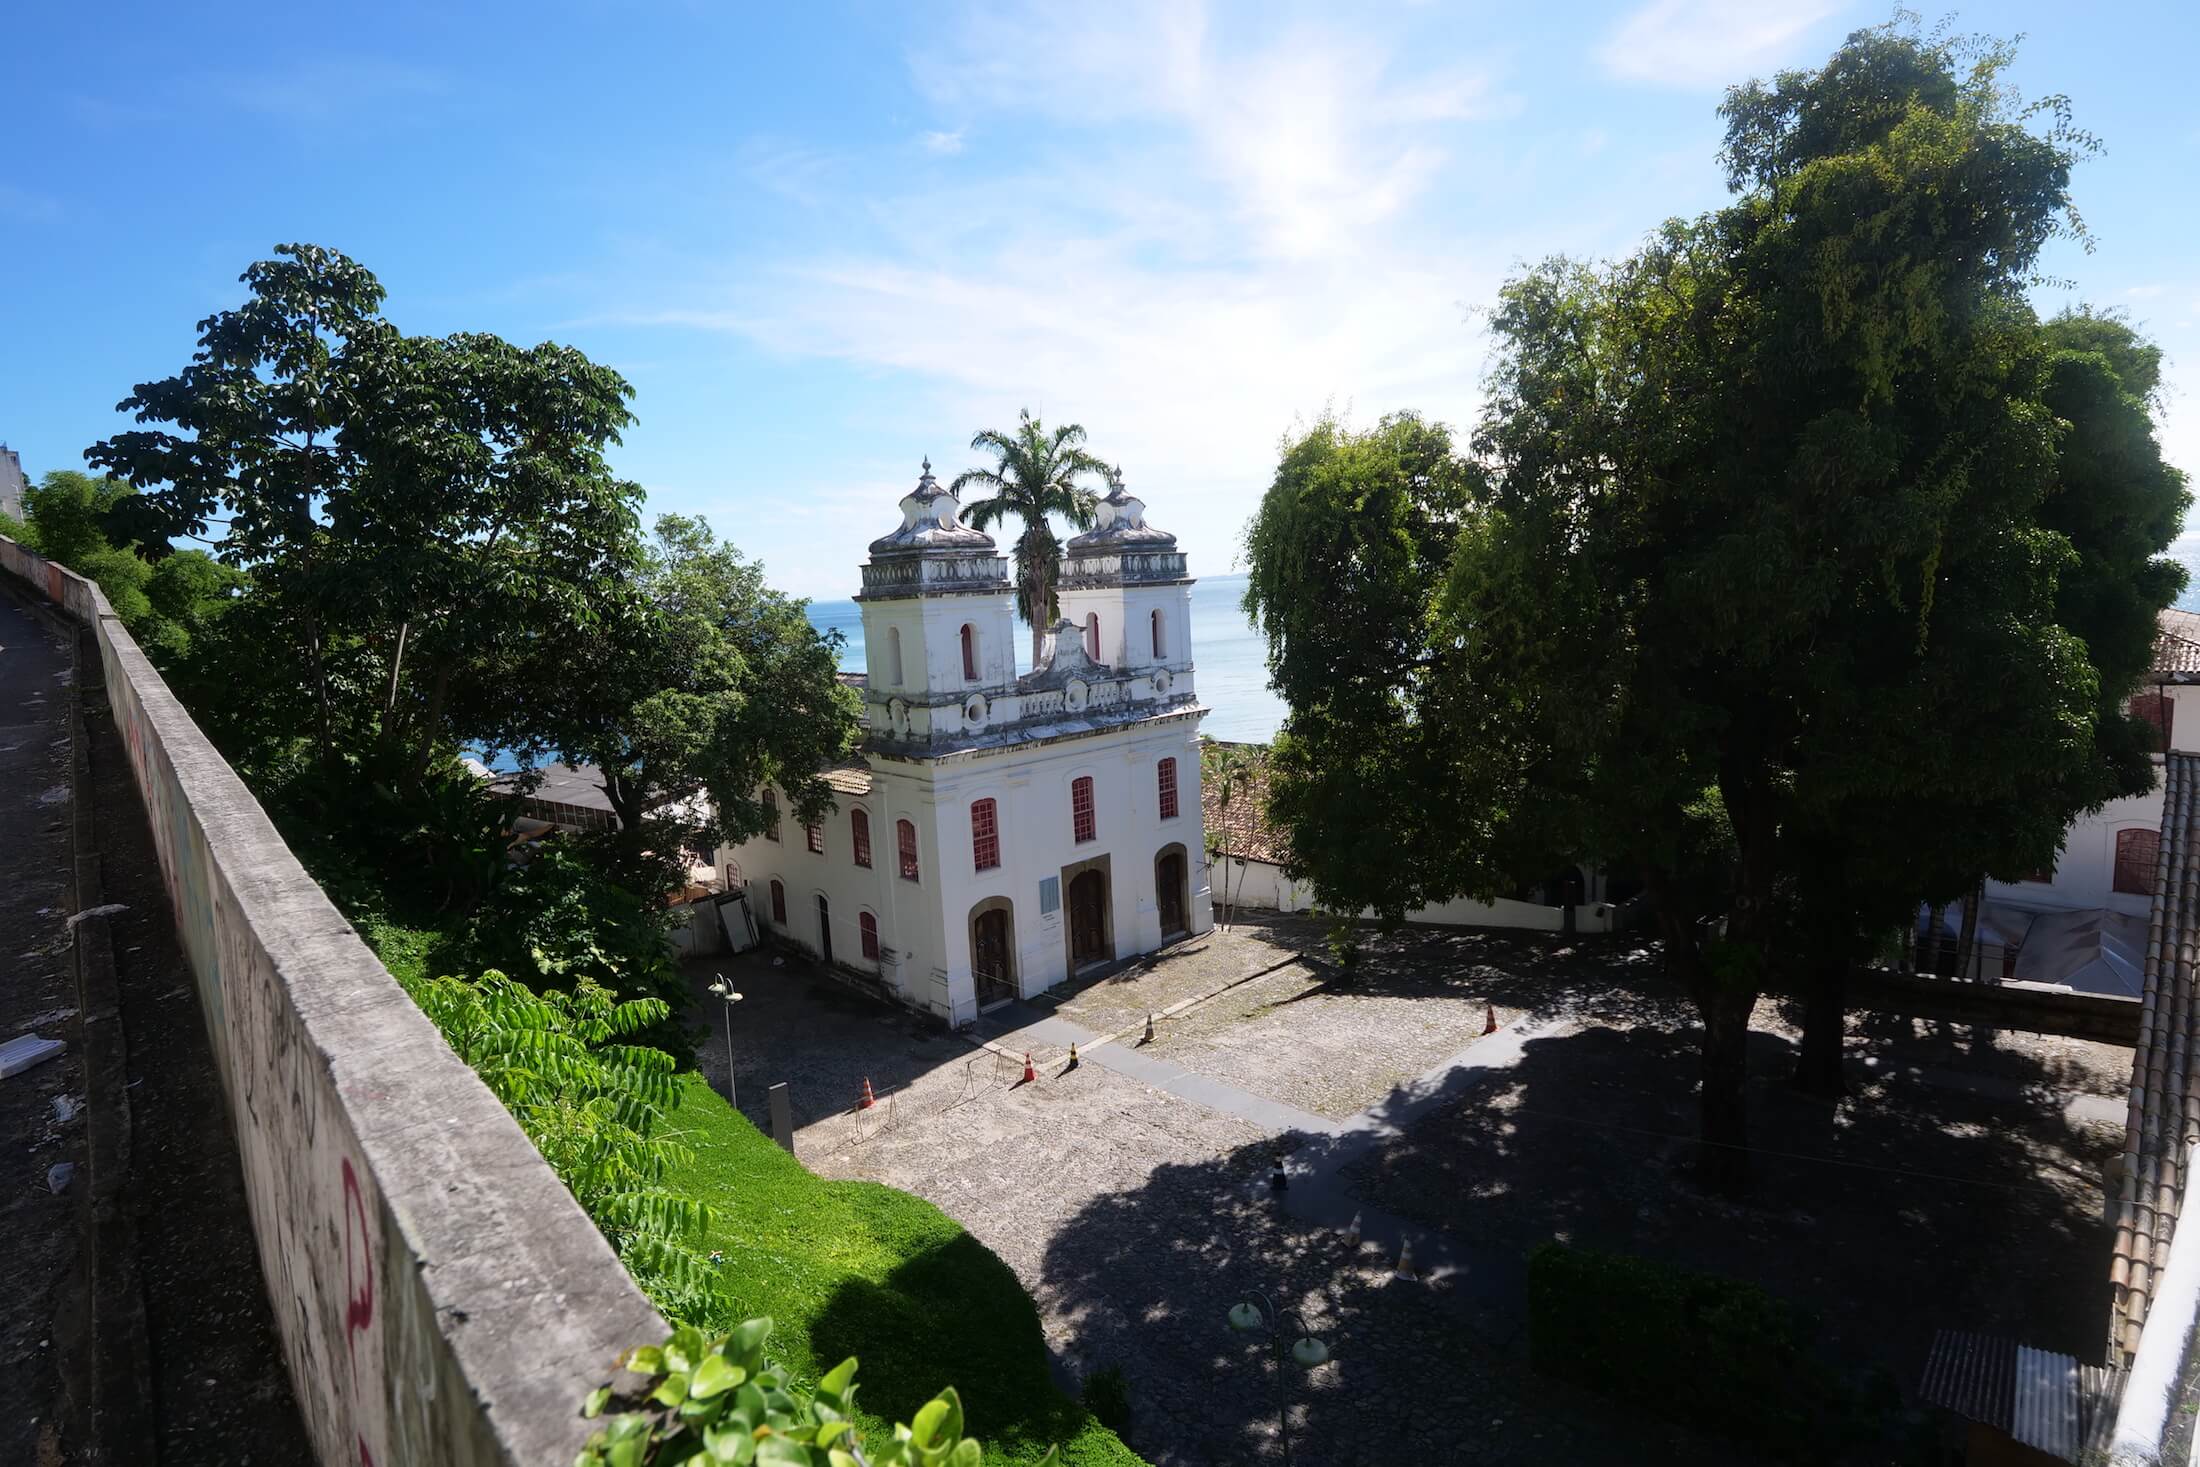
(1761, 556)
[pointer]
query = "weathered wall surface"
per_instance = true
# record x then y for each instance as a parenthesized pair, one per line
(441, 1297)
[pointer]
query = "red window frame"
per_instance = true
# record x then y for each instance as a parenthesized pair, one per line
(1158, 653)
(1092, 635)
(1165, 778)
(859, 836)
(771, 816)
(1084, 825)
(2138, 852)
(985, 835)
(2157, 709)
(867, 932)
(970, 653)
(815, 833)
(905, 836)
(779, 903)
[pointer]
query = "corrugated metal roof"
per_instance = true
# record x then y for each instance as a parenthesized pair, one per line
(2040, 1398)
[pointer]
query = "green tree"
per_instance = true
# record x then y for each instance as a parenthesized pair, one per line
(1033, 478)
(258, 444)
(698, 679)
(162, 605)
(1753, 508)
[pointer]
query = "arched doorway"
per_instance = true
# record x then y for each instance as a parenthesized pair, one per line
(1170, 891)
(1088, 919)
(993, 952)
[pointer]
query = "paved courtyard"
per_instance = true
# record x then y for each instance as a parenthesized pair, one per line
(1130, 1193)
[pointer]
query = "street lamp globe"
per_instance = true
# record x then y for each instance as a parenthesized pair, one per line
(1309, 1351)
(1246, 1317)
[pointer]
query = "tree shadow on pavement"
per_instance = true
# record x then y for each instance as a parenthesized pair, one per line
(1912, 1206)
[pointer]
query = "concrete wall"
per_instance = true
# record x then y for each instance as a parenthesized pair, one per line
(441, 1297)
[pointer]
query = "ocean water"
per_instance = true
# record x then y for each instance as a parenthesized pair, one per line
(1228, 656)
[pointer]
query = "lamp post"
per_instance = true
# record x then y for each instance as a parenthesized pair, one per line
(1257, 1314)
(725, 991)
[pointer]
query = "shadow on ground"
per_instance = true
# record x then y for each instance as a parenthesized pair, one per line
(1914, 1205)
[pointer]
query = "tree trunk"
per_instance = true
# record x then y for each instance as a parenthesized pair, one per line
(1929, 950)
(1723, 1157)
(1825, 1018)
(1967, 939)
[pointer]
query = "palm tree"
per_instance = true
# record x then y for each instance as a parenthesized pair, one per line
(1033, 477)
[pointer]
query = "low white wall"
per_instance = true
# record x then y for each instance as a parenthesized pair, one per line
(440, 1296)
(1261, 886)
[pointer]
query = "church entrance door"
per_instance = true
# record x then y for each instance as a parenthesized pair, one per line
(1088, 919)
(1168, 880)
(989, 968)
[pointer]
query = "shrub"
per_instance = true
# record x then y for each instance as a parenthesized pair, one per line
(595, 1107)
(1107, 1395)
(1711, 1353)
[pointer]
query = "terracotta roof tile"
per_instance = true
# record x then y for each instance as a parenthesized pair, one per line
(2177, 645)
(1245, 826)
(2163, 1116)
(849, 777)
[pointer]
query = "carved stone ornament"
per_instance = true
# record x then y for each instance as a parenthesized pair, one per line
(1075, 694)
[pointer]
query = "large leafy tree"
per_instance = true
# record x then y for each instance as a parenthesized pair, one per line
(698, 679)
(253, 441)
(1758, 542)
(414, 513)
(1033, 478)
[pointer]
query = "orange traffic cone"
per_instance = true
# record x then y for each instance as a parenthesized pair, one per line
(1031, 1073)
(1489, 1019)
(1405, 1269)
(868, 1099)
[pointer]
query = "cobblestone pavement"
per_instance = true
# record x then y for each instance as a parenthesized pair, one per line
(1136, 1219)
(1187, 971)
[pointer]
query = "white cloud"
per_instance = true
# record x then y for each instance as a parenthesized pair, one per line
(2145, 292)
(1201, 245)
(1697, 43)
(946, 143)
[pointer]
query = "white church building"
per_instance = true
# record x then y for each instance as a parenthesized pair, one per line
(998, 833)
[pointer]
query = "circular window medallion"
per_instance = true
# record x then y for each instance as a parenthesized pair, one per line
(1074, 695)
(1161, 680)
(974, 710)
(898, 711)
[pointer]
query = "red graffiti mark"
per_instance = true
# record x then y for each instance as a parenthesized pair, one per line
(359, 1281)
(366, 1458)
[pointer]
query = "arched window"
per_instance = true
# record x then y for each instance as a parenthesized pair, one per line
(893, 656)
(779, 903)
(1092, 635)
(815, 834)
(1082, 822)
(859, 836)
(771, 815)
(1165, 777)
(905, 835)
(970, 653)
(733, 876)
(2137, 851)
(867, 929)
(985, 836)
(1160, 641)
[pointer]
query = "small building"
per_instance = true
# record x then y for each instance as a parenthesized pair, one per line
(1000, 833)
(12, 483)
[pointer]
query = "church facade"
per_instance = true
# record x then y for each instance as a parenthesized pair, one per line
(1000, 833)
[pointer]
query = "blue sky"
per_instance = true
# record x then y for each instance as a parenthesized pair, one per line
(825, 241)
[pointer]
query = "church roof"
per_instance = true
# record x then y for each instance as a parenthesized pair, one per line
(849, 777)
(931, 519)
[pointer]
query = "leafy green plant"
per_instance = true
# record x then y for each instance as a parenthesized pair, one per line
(596, 1109)
(1107, 1395)
(719, 1400)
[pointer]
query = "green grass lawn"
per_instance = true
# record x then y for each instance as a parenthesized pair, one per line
(857, 1268)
